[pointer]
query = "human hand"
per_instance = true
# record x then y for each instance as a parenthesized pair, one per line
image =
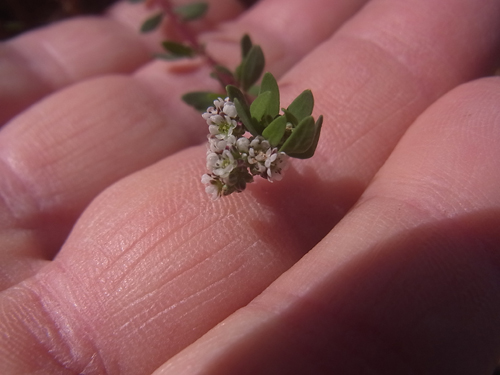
(406, 282)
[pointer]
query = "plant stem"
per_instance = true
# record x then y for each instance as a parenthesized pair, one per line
(190, 37)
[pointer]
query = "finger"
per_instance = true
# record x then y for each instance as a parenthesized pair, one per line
(406, 283)
(349, 156)
(271, 217)
(168, 265)
(57, 158)
(285, 31)
(282, 47)
(80, 48)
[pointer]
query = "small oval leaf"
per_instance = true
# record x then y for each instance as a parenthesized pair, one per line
(246, 119)
(167, 56)
(260, 106)
(235, 93)
(246, 44)
(200, 100)
(269, 84)
(302, 137)
(177, 49)
(290, 117)
(191, 12)
(222, 74)
(312, 149)
(275, 131)
(254, 91)
(152, 23)
(303, 105)
(252, 67)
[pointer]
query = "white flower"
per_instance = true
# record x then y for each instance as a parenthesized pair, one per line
(276, 163)
(223, 128)
(217, 119)
(230, 109)
(258, 152)
(219, 145)
(260, 143)
(205, 179)
(210, 111)
(233, 159)
(213, 188)
(221, 165)
(219, 103)
(212, 160)
(213, 130)
(242, 144)
(221, 119)
(265, 160)
(213, 191)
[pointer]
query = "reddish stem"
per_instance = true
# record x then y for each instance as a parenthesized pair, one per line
(190, 37)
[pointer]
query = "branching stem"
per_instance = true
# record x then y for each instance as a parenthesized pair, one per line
(190, 37)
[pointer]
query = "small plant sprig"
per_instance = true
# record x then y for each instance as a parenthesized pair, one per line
(248, 139)
(249, 133)
(180, 16)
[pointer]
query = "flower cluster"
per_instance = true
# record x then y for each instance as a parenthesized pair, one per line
(234, 159)
(250, 134)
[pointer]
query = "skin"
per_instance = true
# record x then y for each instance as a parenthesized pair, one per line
(380, 255)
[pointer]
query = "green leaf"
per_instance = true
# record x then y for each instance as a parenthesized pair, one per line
(254, 90)
(235, 93)
(252, 67)
(275, 131)
(152, 23)
(246, 45)
(303, 105)
(167, 56)
(222, 74)
(259, 107)
(237, 72)
(200, 100)
(269, 84)
(246, 119)
(290, 117)
(178, 50)
(302, 137)
(312, 149)
(190, 12)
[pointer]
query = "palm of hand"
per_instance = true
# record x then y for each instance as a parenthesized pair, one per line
(151, 264)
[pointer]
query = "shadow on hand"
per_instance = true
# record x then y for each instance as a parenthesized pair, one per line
(305, 206)
(424, 302)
